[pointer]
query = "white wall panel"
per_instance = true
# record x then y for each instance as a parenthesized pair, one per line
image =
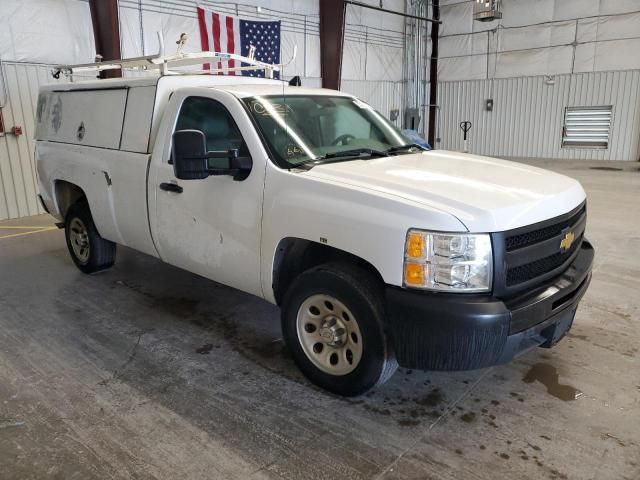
(18, 187)
(540, 37)
(528, 114)
(46, 31)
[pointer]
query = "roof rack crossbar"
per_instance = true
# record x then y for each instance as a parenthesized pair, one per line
(164, 63)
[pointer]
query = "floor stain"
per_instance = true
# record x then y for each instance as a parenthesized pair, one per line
(380, 411)
(548, 376)
(468, 417)
(204, 349)
(407, 422)
(579, 337)
(434, 398)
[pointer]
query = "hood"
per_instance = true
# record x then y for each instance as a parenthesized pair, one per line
(485, 194)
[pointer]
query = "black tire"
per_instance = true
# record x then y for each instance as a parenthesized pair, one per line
(100, 254)
(362, 294)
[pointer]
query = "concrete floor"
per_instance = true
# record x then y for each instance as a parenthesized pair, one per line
(147, 371)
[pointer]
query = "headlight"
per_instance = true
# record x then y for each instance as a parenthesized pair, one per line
(451, 262)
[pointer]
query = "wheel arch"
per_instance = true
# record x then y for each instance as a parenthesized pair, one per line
(295, 255)
(66, 194)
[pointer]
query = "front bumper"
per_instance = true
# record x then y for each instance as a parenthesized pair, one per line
(440, 331)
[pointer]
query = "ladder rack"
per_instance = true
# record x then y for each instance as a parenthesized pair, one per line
(163, 63)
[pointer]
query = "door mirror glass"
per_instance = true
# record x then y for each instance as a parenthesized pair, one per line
(189, 154)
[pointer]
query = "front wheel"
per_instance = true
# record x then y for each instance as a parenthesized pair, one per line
(89, 251)
(332, 321)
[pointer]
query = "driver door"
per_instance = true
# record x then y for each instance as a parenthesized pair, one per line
(211, 226)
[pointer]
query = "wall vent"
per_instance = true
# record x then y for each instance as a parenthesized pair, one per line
(587, 127)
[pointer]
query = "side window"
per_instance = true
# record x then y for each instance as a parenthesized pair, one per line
(217, 124)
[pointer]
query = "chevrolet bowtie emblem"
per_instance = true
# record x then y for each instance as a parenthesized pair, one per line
(567, 241)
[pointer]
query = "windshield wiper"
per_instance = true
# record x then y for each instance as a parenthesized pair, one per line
(356, 152)
(342, 156)
(405, 147)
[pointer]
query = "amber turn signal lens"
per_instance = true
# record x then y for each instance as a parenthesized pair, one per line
(415, 245)
(414, 274)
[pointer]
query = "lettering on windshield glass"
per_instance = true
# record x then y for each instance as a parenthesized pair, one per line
(293, 150)
(281, 109)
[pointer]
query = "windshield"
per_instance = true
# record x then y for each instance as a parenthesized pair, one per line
(304, 128)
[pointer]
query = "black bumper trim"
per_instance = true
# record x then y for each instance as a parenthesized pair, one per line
(439, 331)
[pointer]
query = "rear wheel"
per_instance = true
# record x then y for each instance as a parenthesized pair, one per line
(89, 251)
(332, 323)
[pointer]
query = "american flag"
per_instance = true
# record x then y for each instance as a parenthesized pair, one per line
(228, 34)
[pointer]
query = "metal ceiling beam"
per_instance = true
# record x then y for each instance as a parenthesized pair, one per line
(332, 13)
(393, 12)
(106, 32)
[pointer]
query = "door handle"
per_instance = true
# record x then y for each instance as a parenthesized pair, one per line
(171, 187)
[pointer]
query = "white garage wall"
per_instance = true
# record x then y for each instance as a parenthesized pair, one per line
(18, 187)
(539, 37)
(373, 48)
(540, 58)
(528, 114)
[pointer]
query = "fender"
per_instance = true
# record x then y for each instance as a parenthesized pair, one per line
(343, 217)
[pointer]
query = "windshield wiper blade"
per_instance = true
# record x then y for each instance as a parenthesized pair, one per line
(356, 152)
(404, 147)
(342, 156)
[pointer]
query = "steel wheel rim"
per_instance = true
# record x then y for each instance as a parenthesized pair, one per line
(79, 239)
(329, 334)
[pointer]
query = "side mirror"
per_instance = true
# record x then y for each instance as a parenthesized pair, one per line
(189, 154)
(235, 166)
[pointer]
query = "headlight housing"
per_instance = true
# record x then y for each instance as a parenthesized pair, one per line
(449, 262)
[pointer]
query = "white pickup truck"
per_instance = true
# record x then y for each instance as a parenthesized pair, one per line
(378, 252)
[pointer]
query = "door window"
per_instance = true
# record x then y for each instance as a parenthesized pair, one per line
(214, 120)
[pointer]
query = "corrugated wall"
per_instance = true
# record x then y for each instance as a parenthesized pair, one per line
(528, 114)
(18, 186)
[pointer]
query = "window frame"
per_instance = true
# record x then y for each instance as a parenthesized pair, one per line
(222, 106)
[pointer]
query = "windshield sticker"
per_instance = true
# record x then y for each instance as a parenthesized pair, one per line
(282, 109)
(293, 150)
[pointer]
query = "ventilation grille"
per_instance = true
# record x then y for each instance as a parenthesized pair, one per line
(588, 127)
(534, 269)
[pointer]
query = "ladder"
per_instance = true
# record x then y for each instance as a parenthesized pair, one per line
(163, 64)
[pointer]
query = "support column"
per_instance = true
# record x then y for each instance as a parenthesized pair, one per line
(332, 18)
(106, 32)
(433, 74)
